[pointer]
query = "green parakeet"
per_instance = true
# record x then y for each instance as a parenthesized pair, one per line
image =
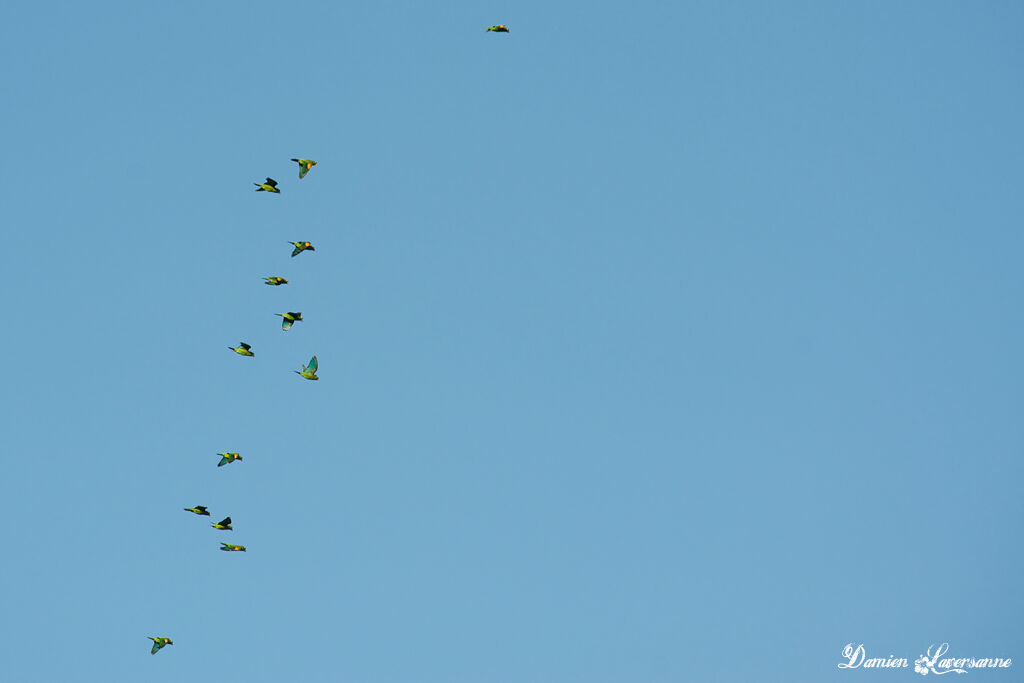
(228, 457)
(159, 642)
(309, 371)
(304, 166)
(301, 247)
(269, 186)
(288, 319)
(242, 349)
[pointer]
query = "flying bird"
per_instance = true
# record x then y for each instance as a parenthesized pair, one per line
(301, 247)
(288, 319)
(232, 548)
(309, 372)
(242, 349)
(228, 457)
(304, 166)
(199, 510)
(500, 28)
(269, 186)
(159, 643)
(275, 281)
(223, 525)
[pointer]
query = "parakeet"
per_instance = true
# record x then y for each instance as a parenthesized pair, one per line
(228, 457)
(301, 247)
(288, 319)
(159, 642)
(230, 547)
(304, 166)
(199, 510)
(275, 281)
(242, 349)
(223, 525)
(269, 186)
(500, 28)
(309, 372)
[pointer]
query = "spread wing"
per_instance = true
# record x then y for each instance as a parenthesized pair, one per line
(271, 182)
(312, 365)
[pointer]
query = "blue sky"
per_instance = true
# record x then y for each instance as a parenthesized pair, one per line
(658, 342)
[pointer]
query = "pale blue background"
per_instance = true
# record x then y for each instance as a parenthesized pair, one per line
(658, 341)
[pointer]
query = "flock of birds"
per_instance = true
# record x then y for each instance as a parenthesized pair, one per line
(308, 371)
(287, 320)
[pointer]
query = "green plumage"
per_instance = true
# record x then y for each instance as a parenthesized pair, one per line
(159, 642)
(269, 186)
(309, 371)
(229, 547)
(288, 319)
(304, 166)
(228, 457)
(501, 28)
(199, 510)
(301, 247)
(242, 349)
(223, 525)
(275, 281)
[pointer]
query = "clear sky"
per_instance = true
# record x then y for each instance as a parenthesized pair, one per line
(658, 341)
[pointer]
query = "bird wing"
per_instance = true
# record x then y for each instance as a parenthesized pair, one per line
(244, 345)
(296, 250)
(225, 522)
(286, 323)
(271, 182)
(312, 364)
(156, 645)
(303, 168)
